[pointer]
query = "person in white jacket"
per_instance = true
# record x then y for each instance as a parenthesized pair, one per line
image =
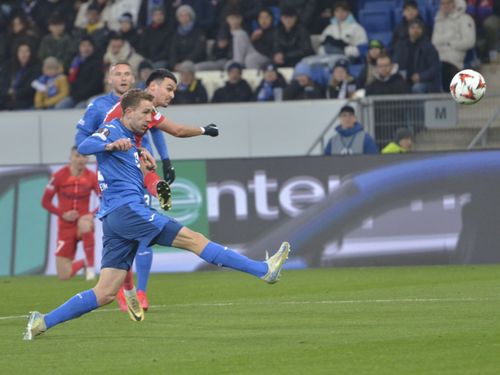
(454, 33)
(344, 34)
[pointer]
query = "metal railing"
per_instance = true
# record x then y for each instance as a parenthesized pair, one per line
(482, 135)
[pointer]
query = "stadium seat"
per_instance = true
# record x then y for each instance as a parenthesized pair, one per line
(375, 5)
(355, 69)
(375, 20)
(385, 37)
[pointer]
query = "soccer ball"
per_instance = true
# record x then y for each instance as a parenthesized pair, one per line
(467, 87)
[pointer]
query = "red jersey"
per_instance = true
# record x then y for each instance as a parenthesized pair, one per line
(116, 112)
(73, 192)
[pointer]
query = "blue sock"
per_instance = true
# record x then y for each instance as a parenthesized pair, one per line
(143, 261)
(224, 257)
(77, 305)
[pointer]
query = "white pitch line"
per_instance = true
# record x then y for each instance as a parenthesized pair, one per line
(323, 302)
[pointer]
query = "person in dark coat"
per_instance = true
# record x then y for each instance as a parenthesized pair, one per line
(272, 86)
(302, 86)
(23, 71)
(190, 89)
(128, 31)
(236, 88)
(410, 14)
(419, 60)
(292, 41)
(188, 42)
(263, 36)
(155, 40)
(85, 76)
(387, 79)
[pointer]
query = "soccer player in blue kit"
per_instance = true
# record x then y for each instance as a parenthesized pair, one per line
(129, 222)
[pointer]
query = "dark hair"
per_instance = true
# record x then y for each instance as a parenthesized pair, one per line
(132, 98)
(115, 36)
(87, 39)
(342, 4)
(160, 75)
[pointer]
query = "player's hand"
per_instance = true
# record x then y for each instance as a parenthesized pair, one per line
(212, 130)
(70, 215)
(147, 161)
(168, 171)
(122, 144)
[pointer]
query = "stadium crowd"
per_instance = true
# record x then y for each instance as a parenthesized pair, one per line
(54, 53)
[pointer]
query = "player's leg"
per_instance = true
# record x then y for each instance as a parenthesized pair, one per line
(86, 233)
(222, 256)
(143, 262)
(66, 268)
(159, 188)
(65, 253)
(103, 293)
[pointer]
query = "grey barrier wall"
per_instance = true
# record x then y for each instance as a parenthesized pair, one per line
(246, 130)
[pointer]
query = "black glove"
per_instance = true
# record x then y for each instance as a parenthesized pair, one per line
(168, 171)
(211, 130)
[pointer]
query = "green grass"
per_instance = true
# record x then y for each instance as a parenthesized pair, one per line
(407, 320)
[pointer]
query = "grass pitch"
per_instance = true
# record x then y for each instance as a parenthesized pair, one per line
(405, 320)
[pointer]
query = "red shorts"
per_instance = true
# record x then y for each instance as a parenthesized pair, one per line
(67, 239)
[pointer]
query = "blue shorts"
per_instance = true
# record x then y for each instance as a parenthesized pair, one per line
(131, 225)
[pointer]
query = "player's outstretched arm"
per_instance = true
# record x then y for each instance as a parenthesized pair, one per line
(185, 131)
(97, 143)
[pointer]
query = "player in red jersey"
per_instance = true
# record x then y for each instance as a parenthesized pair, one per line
(162, 84)
(73, 185)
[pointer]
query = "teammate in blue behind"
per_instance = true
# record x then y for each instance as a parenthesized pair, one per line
(121, 79)
(129, 222)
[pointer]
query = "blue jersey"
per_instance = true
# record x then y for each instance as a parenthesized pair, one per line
(119, 174)
(94, 116)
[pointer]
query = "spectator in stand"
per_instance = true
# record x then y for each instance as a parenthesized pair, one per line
(403, 142)
(85, 76)
(103, 6)
(349, 137)
(190, 90)
(57, 43)
(292, 41)
(188, 42)
(418, 60)
(322, 16)
(147, 7)
(95, 28)
(366, 76)
(486, 14)
(263, 36)
(22, 30)
(145, 69)
(454, 34)
(129, 31)
(236, 88)
(410, 13)
(24, 69)
(156, 38)
(52, 86)
(248, 10)
(387, 80)
(35, 11)
(207, 14)
(121, 50)
(272, 85)
(305, 10)
(344, 34)
(234, 44)
(302, 86)
(341, 84)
